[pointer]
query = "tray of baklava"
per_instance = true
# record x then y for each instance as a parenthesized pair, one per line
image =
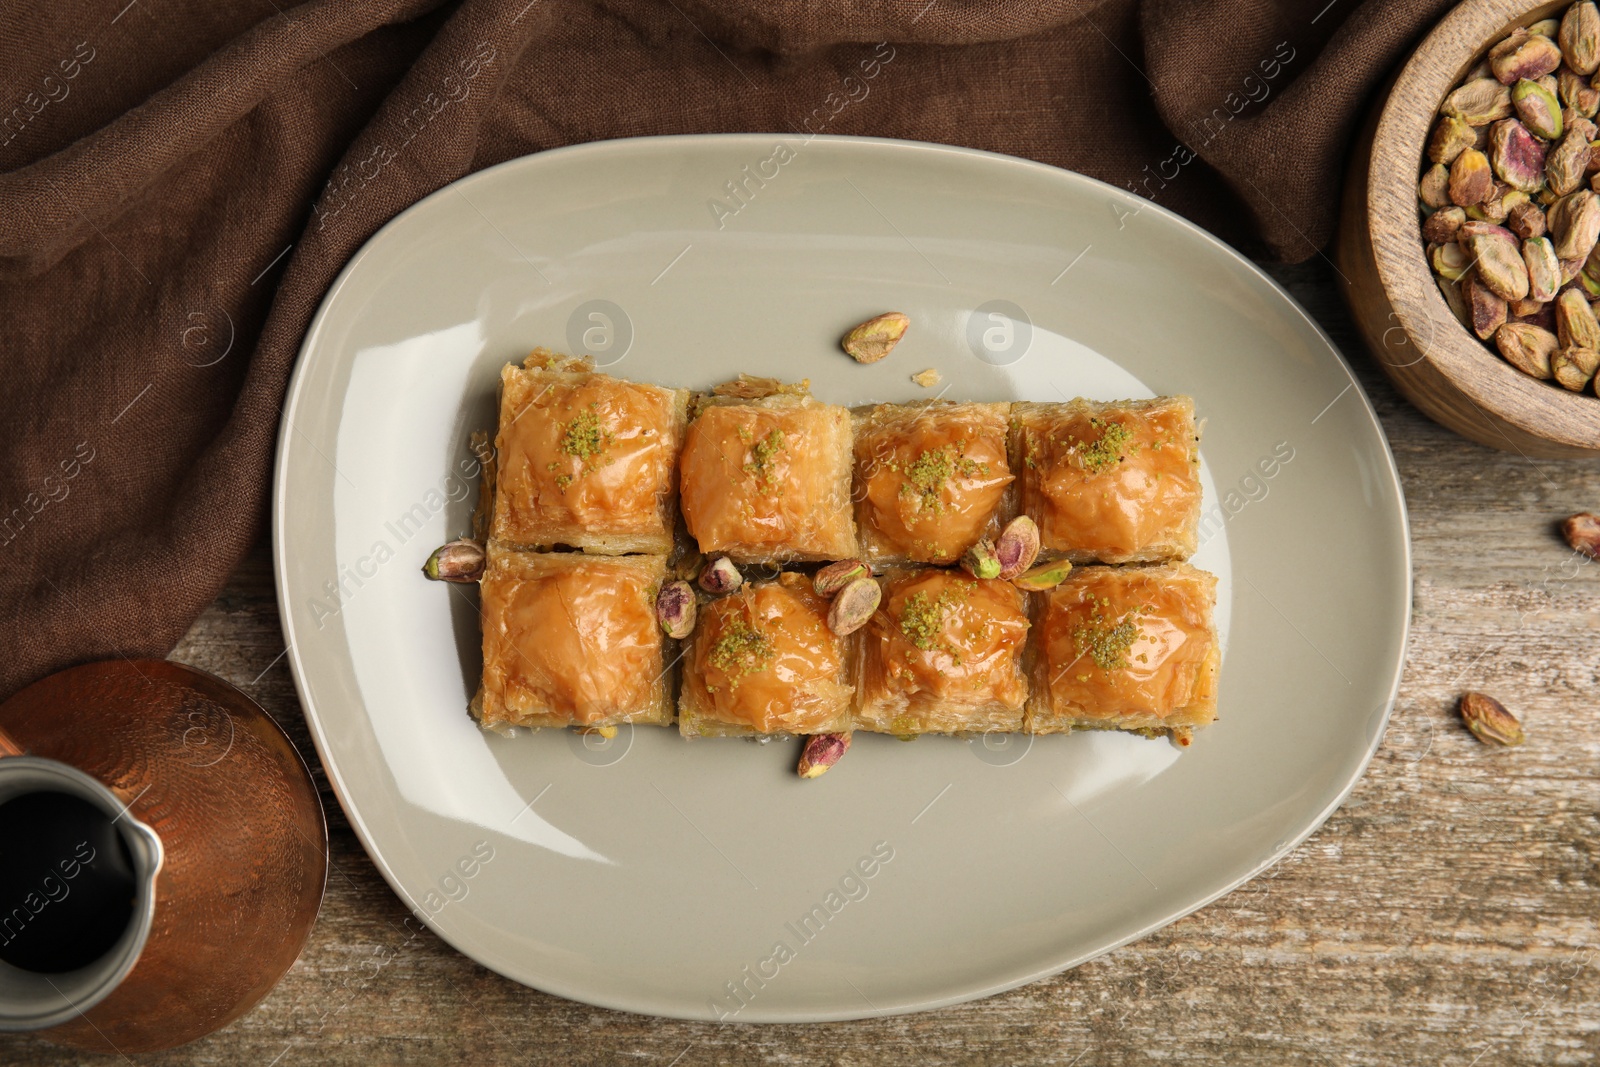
(748, 561)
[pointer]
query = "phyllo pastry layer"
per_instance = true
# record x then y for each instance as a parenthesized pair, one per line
(585, 459)
(767, 479)
(931, 479)
(1116, 482)
(763, 661)
(571, 640)
(944, 654)
(1127, 648)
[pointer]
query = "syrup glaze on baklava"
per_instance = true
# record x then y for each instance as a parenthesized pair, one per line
(944, 654)
(585, 459)
(767, 480)
(764, 661)
(1131, 648)
(930, 479)
(1114, 483)
(571, 639)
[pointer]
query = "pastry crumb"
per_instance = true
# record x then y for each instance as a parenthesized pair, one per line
(928, 378)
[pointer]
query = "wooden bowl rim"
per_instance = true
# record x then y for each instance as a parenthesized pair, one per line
(1542, 409)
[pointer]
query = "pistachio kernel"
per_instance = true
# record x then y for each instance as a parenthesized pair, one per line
(853, 606)
(456, 561)
(875, 338)
(822, 751)
(1489, 720)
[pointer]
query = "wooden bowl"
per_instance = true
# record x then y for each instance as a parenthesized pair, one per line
(1438, 364)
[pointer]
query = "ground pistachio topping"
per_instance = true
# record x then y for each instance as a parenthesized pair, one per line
(740, 649)
(922, 616)
(762, 456)
(1104, 641)
(927, 474)
(1112, 446)
(584, 439)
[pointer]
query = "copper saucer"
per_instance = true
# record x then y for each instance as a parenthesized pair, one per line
(240, 820)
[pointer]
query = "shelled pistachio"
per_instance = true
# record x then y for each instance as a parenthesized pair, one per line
(1574, 368)
(1510, 216)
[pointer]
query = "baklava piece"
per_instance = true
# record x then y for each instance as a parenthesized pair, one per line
(1113, 483)
(571, 640)
(931, 479)
(585, 459)
(767, 479)
(763, 661)
(944, 654)
(1127, 648)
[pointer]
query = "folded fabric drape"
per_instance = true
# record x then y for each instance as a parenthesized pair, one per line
(181, 181)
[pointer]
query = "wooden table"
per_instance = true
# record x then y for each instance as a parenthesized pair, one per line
(1447, 914)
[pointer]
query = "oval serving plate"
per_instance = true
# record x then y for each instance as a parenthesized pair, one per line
(703, 879)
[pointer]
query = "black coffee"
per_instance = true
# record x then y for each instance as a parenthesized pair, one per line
(66, 882)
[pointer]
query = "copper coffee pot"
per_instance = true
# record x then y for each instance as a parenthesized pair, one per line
(225, 834)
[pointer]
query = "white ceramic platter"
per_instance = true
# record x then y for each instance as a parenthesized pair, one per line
(703, 879)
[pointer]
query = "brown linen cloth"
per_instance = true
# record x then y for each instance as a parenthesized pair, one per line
(180, 181)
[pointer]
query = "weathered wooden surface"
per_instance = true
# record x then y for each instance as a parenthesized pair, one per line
(1448, 914)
